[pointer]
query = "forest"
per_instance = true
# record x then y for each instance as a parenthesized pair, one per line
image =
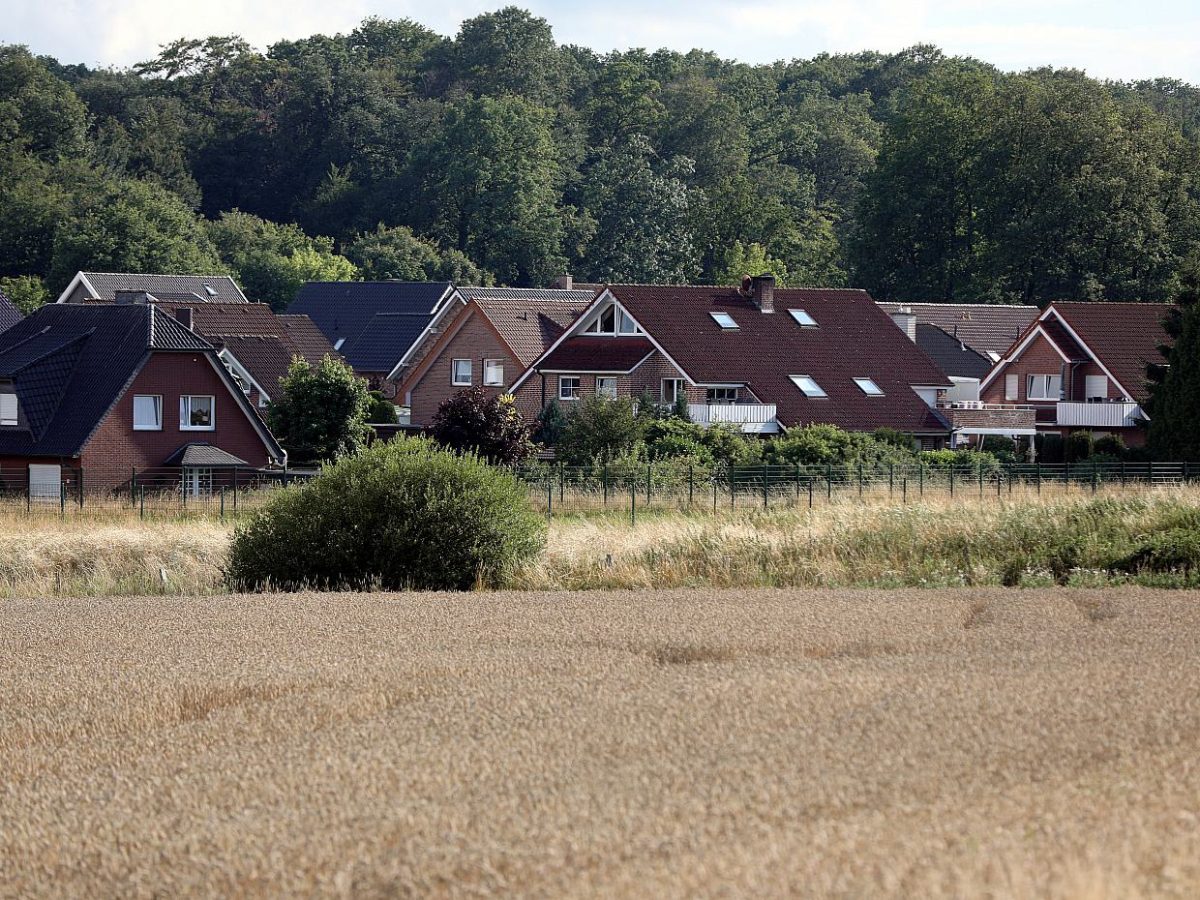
(501, 156)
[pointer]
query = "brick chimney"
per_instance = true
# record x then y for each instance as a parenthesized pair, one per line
(906, 321)
(562, 282)
(762, 292)
(184, 315)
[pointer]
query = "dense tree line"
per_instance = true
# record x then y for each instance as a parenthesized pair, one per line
(500, 155)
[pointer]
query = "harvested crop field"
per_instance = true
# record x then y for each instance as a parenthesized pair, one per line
(853, 743)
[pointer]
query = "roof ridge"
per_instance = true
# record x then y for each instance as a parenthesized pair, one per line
(162, 274)
(972, 305)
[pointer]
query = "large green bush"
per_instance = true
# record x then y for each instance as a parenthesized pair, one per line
(404, 514)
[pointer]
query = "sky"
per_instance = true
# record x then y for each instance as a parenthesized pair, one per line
(1117, 39)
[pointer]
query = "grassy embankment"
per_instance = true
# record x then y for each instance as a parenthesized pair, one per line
(1061, 537)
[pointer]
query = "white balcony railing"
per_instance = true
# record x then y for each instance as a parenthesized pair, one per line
(1098, 415)
(749, 416)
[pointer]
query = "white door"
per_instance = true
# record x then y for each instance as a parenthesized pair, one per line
(197, 482)
(1095, 387)
(45, 483)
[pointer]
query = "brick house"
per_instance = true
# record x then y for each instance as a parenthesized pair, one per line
(372, 323)
(486, 337)
(1082, 367)
(96, 391)
(758, 358)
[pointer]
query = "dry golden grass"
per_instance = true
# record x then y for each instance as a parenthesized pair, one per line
(723, 743)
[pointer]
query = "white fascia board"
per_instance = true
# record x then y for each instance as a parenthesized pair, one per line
(79, 278)
(406, 359)
(1088, 350)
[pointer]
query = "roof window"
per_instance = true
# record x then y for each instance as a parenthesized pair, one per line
(808, 385)
(725, 320)
(210, 290)
(869, 387)
(802, 318)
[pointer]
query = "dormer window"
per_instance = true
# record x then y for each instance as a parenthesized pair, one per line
(8, 408)
(803, 319)
(612, 321)
(725, 320)
(869, 387)
(809, 386)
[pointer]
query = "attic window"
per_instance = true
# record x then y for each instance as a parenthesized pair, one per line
(803, 319)
(8, 409)
(338, 344)
(808, 385)
(869, 387)
(725, 320)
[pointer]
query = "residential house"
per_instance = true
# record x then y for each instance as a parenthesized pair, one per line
(988, 329)
(758, 358)
(9, 314)
(372, 323)
(1082, 367)
(103, 391)
(105, 286)
(486, 337)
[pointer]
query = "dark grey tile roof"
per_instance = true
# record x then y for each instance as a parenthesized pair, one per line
(985, 328)
(346, 311)
(70, 362)
(218, 288)
(951, 354)
(9, 314)
(386, 338)
(201, 455)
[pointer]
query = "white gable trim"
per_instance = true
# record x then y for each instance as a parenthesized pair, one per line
(1021, 348)
(274, 450)
(440, 310)
(1088, 350)
(79, 278)
(243, 372)
(605, 296)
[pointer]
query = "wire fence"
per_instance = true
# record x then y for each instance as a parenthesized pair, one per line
(635, 490)
(618, 489)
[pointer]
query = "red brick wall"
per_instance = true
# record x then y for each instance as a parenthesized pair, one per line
(474, 341)
(115, 448)
(647, 376)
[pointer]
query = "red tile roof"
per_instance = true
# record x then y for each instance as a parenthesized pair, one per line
(854, 338)
(597, 354)
(529, 325)
(1124, 336)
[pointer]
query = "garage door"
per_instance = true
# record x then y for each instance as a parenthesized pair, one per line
(45, 483)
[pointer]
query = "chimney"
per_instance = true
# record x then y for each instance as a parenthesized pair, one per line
(562, 282)
(184, 315)
(762, 291)
(127, 298)
(906, 321)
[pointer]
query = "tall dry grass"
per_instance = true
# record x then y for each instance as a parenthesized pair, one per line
(983, 743)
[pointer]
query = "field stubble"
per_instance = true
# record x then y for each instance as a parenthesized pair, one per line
(972, 743)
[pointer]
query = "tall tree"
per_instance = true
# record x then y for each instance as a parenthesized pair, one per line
(1174, 405)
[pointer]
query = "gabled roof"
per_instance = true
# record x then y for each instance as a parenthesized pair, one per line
(952, 354)
(854, 338)
(984, 327)
(307, 338)
(69, 363)
(346, 310)
(9, 314)
(588, 354)
(198, 454)
(386, 338)
(195, 288)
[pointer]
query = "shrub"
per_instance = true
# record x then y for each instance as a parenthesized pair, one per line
(1080, 445)
(727, 445)
(894, 438)
(1176, 550)
(1110, 445)
(551, 424)
(321, 413)
(961, 461)
(381, 410)
(598, 428)
(478, 421)
(1003, 448)
(1049, 448)
(400, 515)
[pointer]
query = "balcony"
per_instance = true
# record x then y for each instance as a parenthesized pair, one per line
(974, 417)
(1123, 414)
(751, 418)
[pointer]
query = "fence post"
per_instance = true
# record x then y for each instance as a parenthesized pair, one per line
(921, 478)
(829, 482)
(732, 488)
(1067, 475)
(1122, 473)
(562, 484)
(1039, 479)
(81, 487)
(1095, 478)
(648, 483)
(235, 490)
(714, 482)
(549, 499)
(604, 482)
(810, 493)
(691, 485)
(142, 501)
(891, 478)
(904, 489)
(632, 504)
(860, 479)
(62, 498)
(766, 477)
(222, 503)
(133, 486)
(952, 479)
(979, 472)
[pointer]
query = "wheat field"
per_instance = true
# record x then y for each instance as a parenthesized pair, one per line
(979, 742)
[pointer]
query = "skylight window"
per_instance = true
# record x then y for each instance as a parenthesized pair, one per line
(725, 320)
(869, 387)
(808, 385)
(802, 318)
(338, 344)
(210, 290)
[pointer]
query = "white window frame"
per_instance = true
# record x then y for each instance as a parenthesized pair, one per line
(337, 345)
(803, 318)
(606, 386)
(158, 412)
(573, 391)
(1045, 385)
(814, 391)
(677, 385)
(725, 320)
(10, 409)
(185, 412)
(455, 379)
(493, 380)
(1012, 386)
(721, 395)
(868, 386)
(626, 325)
